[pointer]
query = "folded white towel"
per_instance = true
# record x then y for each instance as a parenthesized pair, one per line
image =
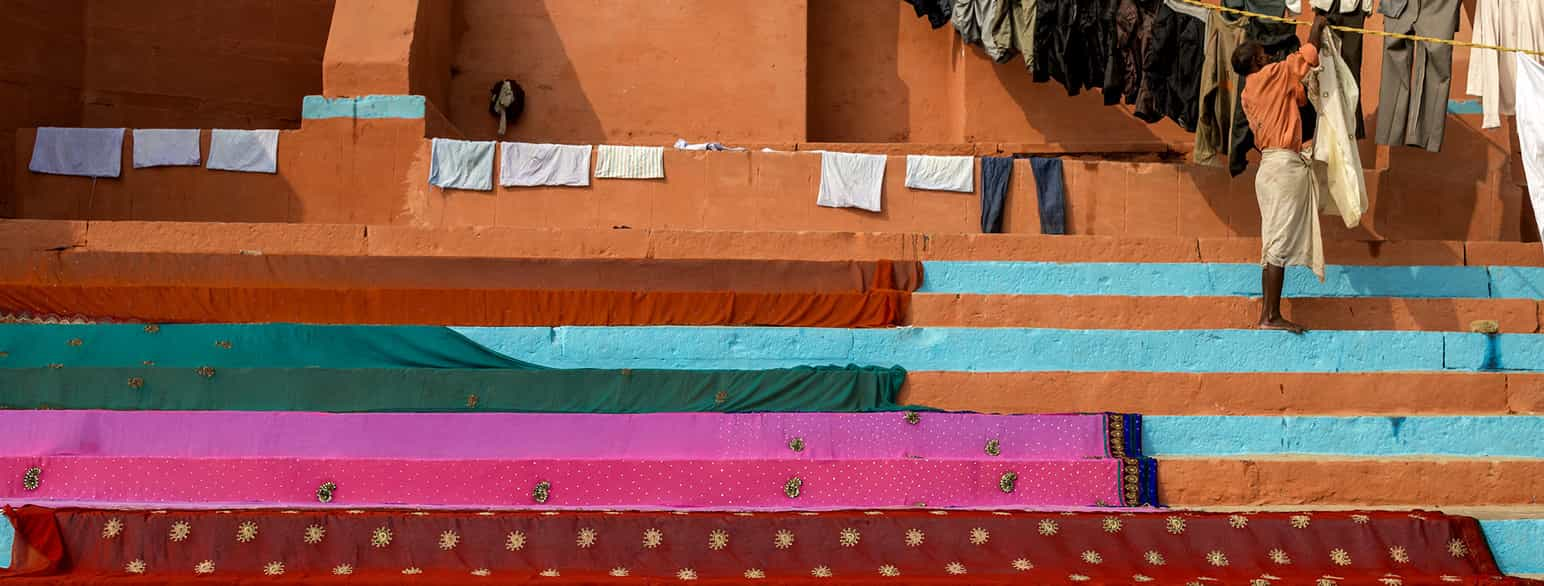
(461, 164)
(251, 151)
(165, 147)
(524, 164)
(851, 180)
(87, 152)
(629, 162)
(940, 173)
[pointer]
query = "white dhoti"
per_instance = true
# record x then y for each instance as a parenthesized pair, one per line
(1289, 211)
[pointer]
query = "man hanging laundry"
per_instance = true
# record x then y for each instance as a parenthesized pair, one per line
(1284, 185)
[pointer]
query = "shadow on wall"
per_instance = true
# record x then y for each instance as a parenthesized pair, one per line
(1080, 119)
(499, 39)
(1438, 194)
(855, 90)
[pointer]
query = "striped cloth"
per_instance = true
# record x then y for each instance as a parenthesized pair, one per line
(629, 162)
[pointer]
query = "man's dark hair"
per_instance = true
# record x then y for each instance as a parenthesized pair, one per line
(1244, 57)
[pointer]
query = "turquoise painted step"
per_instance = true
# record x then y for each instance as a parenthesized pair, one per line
(1227, 280)
(1014, 349)
(1517, 544)
(366, 107)
(1509, 436)
(678, 347)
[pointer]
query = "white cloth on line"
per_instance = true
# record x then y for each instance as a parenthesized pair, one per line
(1197, 11)
(1492, 75)
(523, 164)
(681, 144)
(629, 162)
(1338, 163)
(941, 173)
(165, 147)
(86, 152)
(1346, 6)
(1530, 129)
(851, 180)
(461, 164)
(251, 151)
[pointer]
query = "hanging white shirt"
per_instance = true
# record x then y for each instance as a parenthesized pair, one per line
(165, 147)
(1338, 163)
(528, 165)
(1505, 23)
(629, 162)
(940, 173)
(249, 151)
(461, 164)
(86, 152)
(1346, 6)
(1530, 129)
(851, 180)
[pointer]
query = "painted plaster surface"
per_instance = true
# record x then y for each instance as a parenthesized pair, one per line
(1015, 349)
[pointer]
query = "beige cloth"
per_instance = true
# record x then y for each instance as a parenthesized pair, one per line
(1022, 13)
(1338, 170)
(985, 23)
(1219, 88)
(1289, 211)
(1492, 75)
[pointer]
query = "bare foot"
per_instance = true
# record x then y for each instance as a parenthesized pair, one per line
(1281, 324)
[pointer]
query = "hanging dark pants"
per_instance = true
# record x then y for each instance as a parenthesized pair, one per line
(1412, 104)
(1050, 189)
(995, 173)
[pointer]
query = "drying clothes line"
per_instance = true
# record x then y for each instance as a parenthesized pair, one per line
(1352, 29)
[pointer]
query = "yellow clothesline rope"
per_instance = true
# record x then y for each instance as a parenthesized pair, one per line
(1352, 29)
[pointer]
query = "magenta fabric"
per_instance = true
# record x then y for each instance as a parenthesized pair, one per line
(469, 436)
(640, 484)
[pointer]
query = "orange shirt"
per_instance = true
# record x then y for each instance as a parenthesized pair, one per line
(1272, 97)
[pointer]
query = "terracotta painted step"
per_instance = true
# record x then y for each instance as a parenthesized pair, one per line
(1180, 313)
(492, 241)
(1482, 512)
(1338, 480)
(1167, 393)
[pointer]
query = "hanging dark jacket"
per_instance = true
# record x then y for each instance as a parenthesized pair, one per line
(1171, 69)
(1128, 38)
(936, 11)
(1264, 32)
(1070, 43)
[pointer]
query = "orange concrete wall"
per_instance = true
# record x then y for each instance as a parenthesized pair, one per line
(197, 64)
(878, 74)
(644, 71)
(368, 48)
(429, 64)
(334, 171)
(376, 171)
(40, 73)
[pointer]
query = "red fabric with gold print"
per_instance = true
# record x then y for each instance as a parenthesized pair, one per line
(891, 547)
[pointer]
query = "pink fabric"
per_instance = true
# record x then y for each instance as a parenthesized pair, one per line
(288, 482)
(665, 436)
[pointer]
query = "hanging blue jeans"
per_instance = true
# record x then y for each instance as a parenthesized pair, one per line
(995, 172)
(1050, 190)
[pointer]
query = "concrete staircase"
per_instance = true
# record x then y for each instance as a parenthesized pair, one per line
(1389, 403)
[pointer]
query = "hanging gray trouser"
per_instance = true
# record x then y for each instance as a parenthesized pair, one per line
(1412, 105)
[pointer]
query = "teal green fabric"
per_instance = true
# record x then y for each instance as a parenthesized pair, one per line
(824, 388)
(244, 346)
